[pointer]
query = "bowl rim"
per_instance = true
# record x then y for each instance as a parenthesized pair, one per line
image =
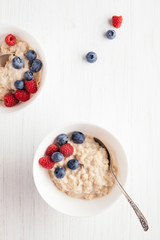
(20, 107)
(52, 132)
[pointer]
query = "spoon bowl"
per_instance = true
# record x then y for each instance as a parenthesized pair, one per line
(3, 59)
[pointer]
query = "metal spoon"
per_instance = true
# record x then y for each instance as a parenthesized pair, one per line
(3, 59)
(139, 214)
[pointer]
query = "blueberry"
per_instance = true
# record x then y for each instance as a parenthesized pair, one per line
(17, 62)
(110, 34)
(36, 65)
(62, 139)
(57, 157)
(73, 164)
(31, 55)
(91, 57)
(28, 75)
(78, 137)
(19, 84)
(59, 172)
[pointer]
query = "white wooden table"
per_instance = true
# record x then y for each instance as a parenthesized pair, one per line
(121, 92)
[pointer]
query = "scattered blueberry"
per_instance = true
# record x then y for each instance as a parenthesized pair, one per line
(28, 75)
(59, 172)
(19, 84)
(91, 57)
(17, 62)
(110, 34)
(31, 55)
(62, 139)
(78, 137)
(73, 164)
(36, 65)
(57, 157)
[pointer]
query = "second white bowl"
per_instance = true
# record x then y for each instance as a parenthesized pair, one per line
(22, 34)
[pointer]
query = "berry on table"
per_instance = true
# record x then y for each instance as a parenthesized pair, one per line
(22, 95)
(110, 34)
(31, 55)
(57, 157)
(46, 162)
(31, 86)
(59, 172)
(36, 65)
(62, 139)
(28, 75)
(78, 137)
(19, 84)
(17, 62)
(51, 149)
(67, 150)
(117, 21)
(91, 57)
(10, 40)
(10, 100)
(73, 164)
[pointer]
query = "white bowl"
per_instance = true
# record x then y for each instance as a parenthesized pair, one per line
(22, 34)
(62, 202)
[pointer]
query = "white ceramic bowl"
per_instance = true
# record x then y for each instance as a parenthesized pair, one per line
(62, 202)
(22, 34)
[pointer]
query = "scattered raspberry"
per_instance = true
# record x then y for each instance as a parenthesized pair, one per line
(46, 162)
(10, 100)
(67, 150)
(31, 86)
(51, 149)
(22, 95)
(117, 21)
(10, 40)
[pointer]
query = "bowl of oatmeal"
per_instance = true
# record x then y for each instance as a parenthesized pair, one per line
(71, 171)
(23, 73)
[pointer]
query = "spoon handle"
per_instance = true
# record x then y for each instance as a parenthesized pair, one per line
(139, 214)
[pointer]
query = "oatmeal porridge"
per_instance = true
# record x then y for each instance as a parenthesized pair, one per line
(21, 73)
(80, 169)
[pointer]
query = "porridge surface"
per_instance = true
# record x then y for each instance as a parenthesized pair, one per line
(8, 74)
(92, 179)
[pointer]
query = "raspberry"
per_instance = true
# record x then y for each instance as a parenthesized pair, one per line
(31, 86)
(10, 100)
(117, 21)
(67, 150)
(46, 162)
(51, 149)
(22, 95)
(10, 40)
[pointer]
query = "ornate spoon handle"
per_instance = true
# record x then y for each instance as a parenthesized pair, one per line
(139, 214)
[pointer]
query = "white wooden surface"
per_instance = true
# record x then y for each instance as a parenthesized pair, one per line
(120, 92)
